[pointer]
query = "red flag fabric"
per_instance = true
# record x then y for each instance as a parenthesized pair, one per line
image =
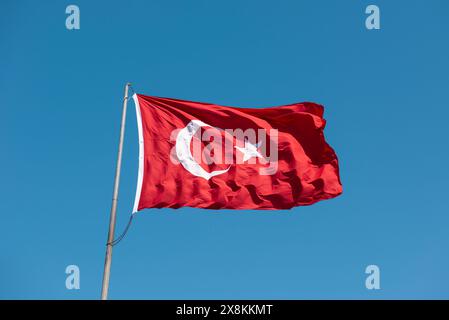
(202, 155)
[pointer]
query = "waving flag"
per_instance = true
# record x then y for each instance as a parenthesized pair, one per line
(208, 156)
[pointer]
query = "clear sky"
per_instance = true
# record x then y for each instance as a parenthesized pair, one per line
(386, 101)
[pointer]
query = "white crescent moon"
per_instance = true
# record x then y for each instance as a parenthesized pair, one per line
(184, 155)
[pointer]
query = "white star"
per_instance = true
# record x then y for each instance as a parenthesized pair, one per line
(250, 150)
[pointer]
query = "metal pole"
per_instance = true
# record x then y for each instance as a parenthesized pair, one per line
(108, 259)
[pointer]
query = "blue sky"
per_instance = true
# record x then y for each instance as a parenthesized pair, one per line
(386, 103)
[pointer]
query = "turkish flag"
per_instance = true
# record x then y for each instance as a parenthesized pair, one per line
(202, 155)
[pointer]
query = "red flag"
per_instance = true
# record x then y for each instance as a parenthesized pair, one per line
(208, 156)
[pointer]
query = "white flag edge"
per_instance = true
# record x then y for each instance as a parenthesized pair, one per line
(141, 154)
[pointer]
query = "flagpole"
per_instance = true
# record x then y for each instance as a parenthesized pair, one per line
(108, 259)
